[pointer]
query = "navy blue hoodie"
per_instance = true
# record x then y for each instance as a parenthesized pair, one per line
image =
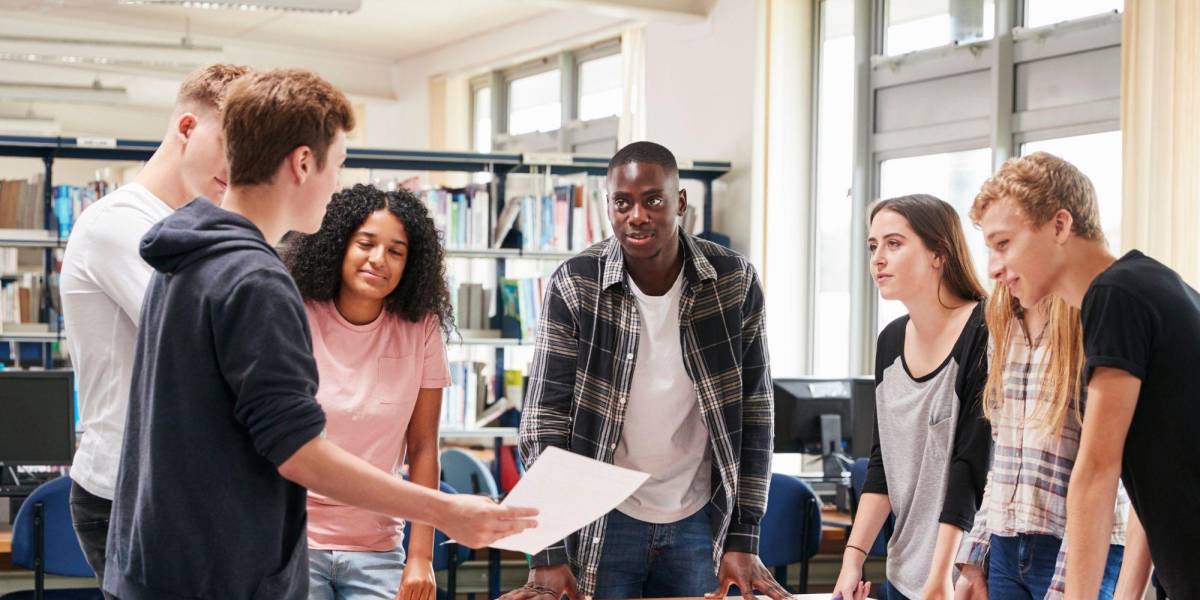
(223, 393)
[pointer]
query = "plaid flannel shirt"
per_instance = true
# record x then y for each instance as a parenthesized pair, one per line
(587, 340)
(1027, 486)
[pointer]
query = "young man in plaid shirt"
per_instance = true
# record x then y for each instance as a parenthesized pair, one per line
(652, 355)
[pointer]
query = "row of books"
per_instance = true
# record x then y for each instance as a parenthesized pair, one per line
(21, 204)
(470, 402)
(462, 215)
(473, 306)
(569, 220)
(21, 302)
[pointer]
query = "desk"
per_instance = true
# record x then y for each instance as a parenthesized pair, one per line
(6, 538)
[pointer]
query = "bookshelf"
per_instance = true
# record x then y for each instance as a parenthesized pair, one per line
(500, 165)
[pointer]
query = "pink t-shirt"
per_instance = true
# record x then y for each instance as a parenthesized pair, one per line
(370, 376)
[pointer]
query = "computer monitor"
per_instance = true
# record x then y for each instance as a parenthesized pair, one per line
(801, 403)
(37, 417)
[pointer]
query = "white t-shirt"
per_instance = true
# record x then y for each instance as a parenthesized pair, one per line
(103, 281)
(663, 434)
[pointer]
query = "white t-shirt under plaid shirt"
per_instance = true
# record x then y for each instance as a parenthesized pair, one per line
(1026, 490)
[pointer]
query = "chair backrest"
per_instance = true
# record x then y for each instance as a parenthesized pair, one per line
(467, 474)
(60, 547)
(441, 553)
(791, 529)
(858, 478)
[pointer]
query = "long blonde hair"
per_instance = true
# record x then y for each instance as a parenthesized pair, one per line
(1064, 347)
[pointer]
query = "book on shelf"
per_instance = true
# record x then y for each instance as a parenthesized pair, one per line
(470, 393)
(21, 203)
(69, 201)
(22, 299)
(570, 219)
(473, 306)
(521, 306)
(462, 215)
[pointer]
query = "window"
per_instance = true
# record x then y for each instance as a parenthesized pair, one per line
(534, 103)
(1048, 12)
(834, 172)
(481, 109)
(919, 24)
(1098, 156)
(954, 177)
(600, 87)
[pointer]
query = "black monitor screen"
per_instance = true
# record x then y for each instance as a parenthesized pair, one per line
(37, 417)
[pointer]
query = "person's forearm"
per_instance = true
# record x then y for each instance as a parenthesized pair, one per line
(424, 469)
(1090, 498)
(948, 538)
(1135, 564)
(323, 467)
(873, 511)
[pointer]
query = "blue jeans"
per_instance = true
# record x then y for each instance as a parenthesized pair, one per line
(1022, 567)
(647, 560)
(887, 592)
(346, 575)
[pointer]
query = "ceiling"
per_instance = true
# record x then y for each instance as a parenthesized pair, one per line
(382, 29)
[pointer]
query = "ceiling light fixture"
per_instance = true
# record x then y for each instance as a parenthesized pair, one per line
(337, 7)
(14, 91)
(90, 52)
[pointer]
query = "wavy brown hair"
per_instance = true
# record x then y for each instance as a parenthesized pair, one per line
(316, 260)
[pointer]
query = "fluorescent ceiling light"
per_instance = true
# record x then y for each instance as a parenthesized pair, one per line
(30, 125)
(80, 94)
(343, 7)
(182, 56)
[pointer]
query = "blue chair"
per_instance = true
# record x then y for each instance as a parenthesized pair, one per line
(791, 529)
(446, 557)
(44, 542)
(468, 474)
(858, 477)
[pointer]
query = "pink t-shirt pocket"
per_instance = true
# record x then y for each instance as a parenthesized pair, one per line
(397, 368)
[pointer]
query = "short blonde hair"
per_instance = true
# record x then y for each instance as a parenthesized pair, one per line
(206, 87)
(271, 113)
(1042, 184)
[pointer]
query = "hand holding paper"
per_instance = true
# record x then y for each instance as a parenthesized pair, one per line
(476, 521)
(569, 491)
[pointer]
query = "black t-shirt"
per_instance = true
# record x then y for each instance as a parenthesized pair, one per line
(1139, 316)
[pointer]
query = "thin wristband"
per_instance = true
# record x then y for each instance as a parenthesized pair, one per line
(857, 548)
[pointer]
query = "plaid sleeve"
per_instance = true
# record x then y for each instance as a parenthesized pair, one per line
(974, 549)
(546, 413)
(1058, 585)
(754, 466)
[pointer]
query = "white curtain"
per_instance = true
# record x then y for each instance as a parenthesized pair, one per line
(632, 125)
(1160, 100)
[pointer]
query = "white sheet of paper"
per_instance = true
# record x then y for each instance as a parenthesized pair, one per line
(569, 492)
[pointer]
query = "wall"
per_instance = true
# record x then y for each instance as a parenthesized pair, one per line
(700, 102)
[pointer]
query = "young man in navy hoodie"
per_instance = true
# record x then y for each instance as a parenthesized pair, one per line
(223, 428)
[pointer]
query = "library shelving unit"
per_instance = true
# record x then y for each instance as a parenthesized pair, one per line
(500, 165)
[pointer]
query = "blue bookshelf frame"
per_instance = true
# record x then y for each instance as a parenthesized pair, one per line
(49, 149)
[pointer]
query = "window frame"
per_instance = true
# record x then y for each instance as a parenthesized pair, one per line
(1002, 128)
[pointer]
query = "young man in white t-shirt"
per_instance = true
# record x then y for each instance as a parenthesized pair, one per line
(104, 278)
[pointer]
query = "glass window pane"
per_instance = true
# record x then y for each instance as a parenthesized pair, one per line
(534, 103)
(1048, 12)
(919, 24)
(600, 88)
(954, 177)
(482, 109)
(1098, 156)
(835, 162)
